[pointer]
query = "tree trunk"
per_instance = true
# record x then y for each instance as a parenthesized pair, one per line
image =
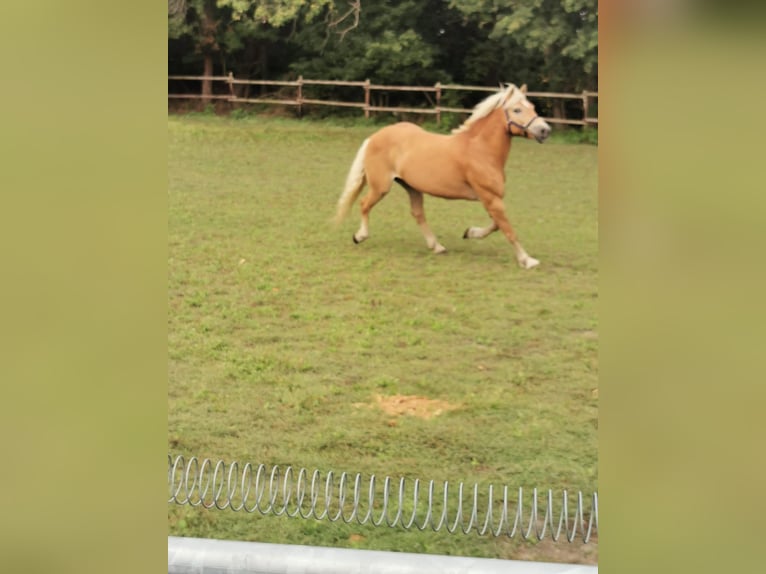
(208, 48)
(207, 84)
(263, 63)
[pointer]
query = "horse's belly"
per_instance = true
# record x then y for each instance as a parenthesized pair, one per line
(439, 183)
(452, 191)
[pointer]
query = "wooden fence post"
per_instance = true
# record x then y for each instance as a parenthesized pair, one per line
(230, 81)
(585, 108)
(438, 103)
(300, 96)
(367, 99)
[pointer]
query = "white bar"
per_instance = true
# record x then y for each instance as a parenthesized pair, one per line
(206, 556)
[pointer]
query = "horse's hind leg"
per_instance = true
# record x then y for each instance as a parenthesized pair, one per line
(480, 232)
(416, 205)
(379, 187)
(367, 203)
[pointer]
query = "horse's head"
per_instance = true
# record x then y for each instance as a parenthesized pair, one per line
(521, 118)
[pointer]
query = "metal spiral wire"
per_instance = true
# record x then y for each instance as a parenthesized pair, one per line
(283, 491)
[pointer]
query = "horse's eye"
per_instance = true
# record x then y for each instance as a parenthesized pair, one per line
(517, 110)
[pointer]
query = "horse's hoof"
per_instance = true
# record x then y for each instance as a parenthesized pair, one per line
(355, 239)
(529, 263)
(465, 233)
(440, 249)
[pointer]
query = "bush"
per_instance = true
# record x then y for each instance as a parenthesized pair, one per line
(575, 135)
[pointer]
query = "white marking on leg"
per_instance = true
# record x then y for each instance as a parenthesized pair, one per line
(363, 233)
(480, 232)
(524, 260)
(431, 240)
(530, 262)
(473, 233)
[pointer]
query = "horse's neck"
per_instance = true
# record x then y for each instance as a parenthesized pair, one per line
(492, 130)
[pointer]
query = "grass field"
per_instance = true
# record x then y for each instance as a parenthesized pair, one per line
(286, 340)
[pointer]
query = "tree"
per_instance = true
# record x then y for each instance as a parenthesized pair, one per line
(214, 25)
(197, 19)
(560, 36)
(416, 42)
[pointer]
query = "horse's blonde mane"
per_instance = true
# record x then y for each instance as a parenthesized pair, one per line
(485, 107)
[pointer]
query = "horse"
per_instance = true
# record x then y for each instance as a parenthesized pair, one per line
(467, 164)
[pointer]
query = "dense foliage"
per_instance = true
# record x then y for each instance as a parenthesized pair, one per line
(552, 45)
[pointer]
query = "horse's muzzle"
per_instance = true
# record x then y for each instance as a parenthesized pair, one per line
(541, 130)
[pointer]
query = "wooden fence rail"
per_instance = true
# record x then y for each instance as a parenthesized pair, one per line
(436, 108)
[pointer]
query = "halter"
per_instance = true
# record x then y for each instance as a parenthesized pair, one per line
(510, 122)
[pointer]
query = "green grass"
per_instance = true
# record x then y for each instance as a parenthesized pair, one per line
(280, 327)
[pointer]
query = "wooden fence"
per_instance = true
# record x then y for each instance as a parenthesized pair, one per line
(437, 90)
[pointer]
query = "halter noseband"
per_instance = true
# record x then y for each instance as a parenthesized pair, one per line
(510, 122)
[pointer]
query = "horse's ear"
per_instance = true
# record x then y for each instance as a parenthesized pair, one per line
(523, 89)
(510, 88)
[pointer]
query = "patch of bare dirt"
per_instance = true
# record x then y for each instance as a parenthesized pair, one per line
(421, 407)
(563, 552)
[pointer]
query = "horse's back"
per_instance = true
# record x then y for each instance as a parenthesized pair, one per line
(398, 132)
(405, 137)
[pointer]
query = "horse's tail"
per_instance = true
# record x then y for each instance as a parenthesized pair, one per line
(354, 183)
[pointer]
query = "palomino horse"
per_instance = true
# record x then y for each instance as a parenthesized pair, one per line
(469, 164)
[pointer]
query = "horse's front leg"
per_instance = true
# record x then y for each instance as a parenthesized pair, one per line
(496, 209)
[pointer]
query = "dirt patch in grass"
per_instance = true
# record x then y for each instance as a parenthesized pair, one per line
(563, 552)
(421, 407)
